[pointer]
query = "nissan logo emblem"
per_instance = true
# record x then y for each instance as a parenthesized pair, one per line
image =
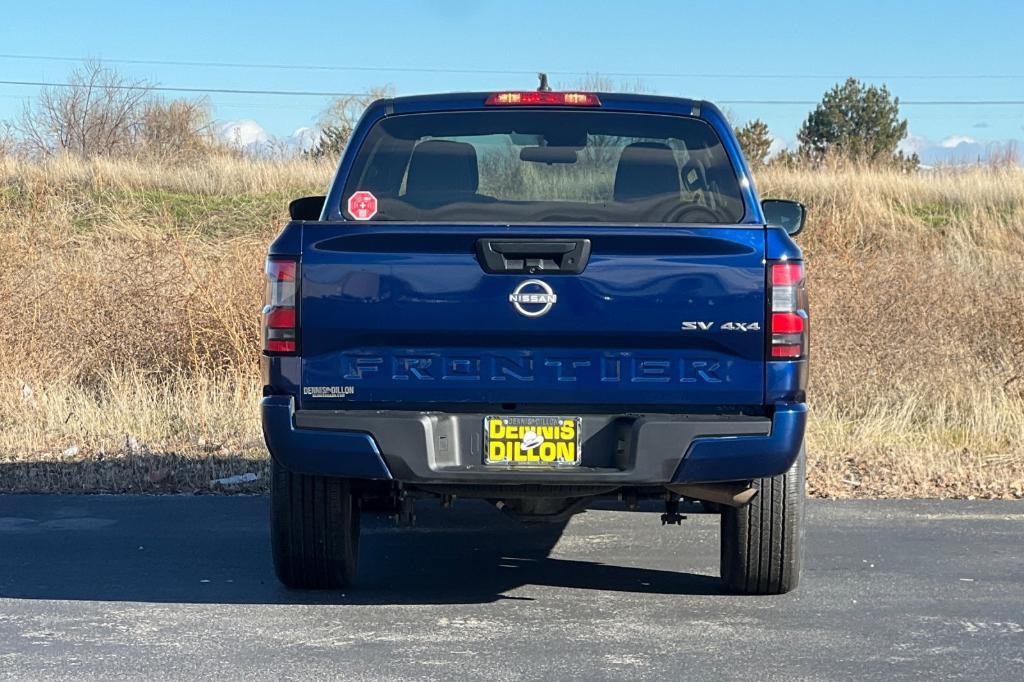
(532, 298)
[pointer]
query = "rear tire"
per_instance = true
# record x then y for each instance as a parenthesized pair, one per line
(762, 543)
(314, 529)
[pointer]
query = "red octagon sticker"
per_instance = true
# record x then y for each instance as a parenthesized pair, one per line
(362, 205)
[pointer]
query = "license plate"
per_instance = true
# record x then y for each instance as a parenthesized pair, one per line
(532, 441)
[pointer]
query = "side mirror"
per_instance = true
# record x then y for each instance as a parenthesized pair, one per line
(789, 215)
(306, 208)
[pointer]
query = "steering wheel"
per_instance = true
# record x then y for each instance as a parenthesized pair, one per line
(692, 213)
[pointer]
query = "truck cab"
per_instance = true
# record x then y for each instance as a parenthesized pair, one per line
(540, 299)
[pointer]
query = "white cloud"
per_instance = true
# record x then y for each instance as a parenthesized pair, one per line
(912, 144)
(954, 141)
(953, 149)
(778, 144)
(252, 138)
(304, 138)
(242, 133)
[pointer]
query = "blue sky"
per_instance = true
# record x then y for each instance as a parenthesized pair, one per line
(963, 51)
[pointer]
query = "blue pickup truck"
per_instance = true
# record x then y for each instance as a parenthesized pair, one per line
(540, 299)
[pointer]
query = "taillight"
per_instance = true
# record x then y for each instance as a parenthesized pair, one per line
(543, 98)
(279, 317)
(789, 311)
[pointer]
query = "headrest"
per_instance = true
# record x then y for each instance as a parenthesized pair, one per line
(645, 170)
(442, 166)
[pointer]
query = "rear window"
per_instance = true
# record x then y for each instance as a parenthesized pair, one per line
(533, 165)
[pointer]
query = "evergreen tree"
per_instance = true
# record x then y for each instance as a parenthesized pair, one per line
(755, 141)
(856, 122)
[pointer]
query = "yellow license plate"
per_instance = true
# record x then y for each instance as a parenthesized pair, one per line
(532, 441)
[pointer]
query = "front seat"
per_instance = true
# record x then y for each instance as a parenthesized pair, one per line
(442, 172)
(646, 170)
(693, 177)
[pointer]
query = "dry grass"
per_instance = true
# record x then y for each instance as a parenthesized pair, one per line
(130, 431)
(917, 296)
(130, 340)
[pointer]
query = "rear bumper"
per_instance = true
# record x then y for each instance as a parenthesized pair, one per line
(440, 448)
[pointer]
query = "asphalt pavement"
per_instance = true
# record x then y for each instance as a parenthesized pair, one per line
(103, 587)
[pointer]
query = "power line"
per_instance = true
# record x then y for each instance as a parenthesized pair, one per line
(909, 102)
(284, 67)
(320, 93)
(405, 69)
(161, 88)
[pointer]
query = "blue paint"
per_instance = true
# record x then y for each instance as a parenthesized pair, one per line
(332, 453)
(747, 457)
(400, 315)
(377, 292)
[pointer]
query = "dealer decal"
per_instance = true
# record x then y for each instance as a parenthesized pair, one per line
(532, 440)
(362, 205)
(328, 391)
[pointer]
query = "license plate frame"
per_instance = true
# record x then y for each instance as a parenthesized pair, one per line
(559, 445)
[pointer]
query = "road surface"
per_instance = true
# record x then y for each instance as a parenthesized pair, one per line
(97, 587)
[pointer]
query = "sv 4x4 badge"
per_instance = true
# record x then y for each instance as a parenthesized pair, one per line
(703, 326)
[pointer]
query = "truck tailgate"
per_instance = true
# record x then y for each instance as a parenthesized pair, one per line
(408, 313)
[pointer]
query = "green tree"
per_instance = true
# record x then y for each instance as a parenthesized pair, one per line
(856, 122)
(755, 141)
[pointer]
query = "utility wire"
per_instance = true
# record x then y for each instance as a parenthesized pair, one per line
(161, 88)
(616, 74)
(909, 102)
(320, 93)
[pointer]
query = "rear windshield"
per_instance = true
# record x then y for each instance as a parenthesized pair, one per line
(532, 165)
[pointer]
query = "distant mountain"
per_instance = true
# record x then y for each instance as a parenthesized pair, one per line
(958, 150)
(252, 138)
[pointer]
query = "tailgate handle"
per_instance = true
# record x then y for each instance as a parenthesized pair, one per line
(519, 256)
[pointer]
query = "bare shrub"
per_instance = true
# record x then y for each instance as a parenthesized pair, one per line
(339, 119)
(344, 112)
(1004, 155)
(598, 82)
(7, 142)
(176, 130)
(100, 113)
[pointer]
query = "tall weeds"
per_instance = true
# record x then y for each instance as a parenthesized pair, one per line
(131, 292)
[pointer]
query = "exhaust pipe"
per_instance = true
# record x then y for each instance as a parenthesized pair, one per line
(729, 494)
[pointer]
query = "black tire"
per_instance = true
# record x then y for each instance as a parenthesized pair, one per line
(762, 543)
(314, 529)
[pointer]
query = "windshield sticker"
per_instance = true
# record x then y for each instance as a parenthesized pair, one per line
(362, 205)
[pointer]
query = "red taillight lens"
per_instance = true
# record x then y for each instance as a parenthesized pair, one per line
(789, 311)
(538, 98)
(787, 274)
(786, 352)
(281, 318)
(284, 270)
(787, 323)
(280, 346)
(280, 322)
